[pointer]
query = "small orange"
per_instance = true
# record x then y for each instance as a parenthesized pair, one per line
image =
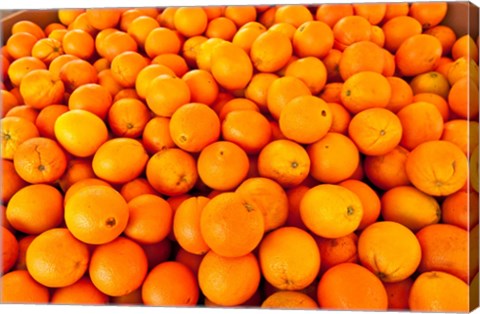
(165, 35)
(281, 91)
(170, 284)
(375, 131)
(229, 281)
(172, 171)
(270, 51)
(19, 287)
(339, 215)
(46, 118)
(224, 220)
(60, 265)
(126, 66)
(39, 89)
(305, 119)
(149, 220)
(203, 87)
(194, 126)
(136, 187)
(311, 71)
(119, 160)
(285, 162)
(190, 21)
(87, 222)
(313, 38)
(334, 158)
(337, 251)
(221, 27)
(15, 183)
(166, 94)
(79, 43)
(116, 277)
(156, 135)
(214, 165)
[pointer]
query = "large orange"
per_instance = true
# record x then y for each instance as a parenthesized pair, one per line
(418, 54)
(96, 214)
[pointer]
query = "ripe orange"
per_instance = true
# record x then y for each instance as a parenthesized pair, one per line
(270, 51)
(39, 89)
(281, 91)
(96, 214)
(229, 281)
(350, 286)
(223, 223)
(15, 131)
(313, 38)
(81, 292)
(126, 66)
(19, 287)
(114, 276)
(57, 265)
(284, 161)
(361, 56)
(289, 300)
(428, 14)
(337, 251)
(457, 209)
(149, 220)
(190, 21)
(166, 94)
(170, 284)
(128, 117)
(418, 54)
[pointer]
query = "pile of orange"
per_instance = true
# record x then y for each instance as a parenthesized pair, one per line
(286, 156)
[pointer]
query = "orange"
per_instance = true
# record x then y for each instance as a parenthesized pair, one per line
(373, 12)
(463, 93)
(204, 54)
(149, 219)
(19, 287)
(156, 135)
(15, 131)
(340, 118)
(80, 132)
(351, 29)
(81, 292)
(28, 27)
(436, 100)
(147, 74)
(295, 15)
(171, 171)
(398, 293)
(313, 39)
(331, 13)
(128, 117)
(375, 131)
(270, 51)
(369, 199)
(365, 90)
(10, 250)
(389, 250)
(331, 62)
(56, 65)
(115, 277)
(416, 128)
(428, 14)
(342, 210)
(337, 251)
(418, 54)
(27, 213)
(438, 168)
(190, 21)
(305, 119)
(402, 94)
(203, 87)
(165, 35)
(464, 46)
(87, 222)
(136, 187)
(57, 265)
(186, 225)
(101, 18)
(236, 104)
(270, 197)
(246, 35)
(445, 248)
(285, 162)
(140, 27)
(166, 94)
(173, 61)
(221, 27)
(126, 66)
(399, 203)
(438, 291)
(459, 69)
(194, 126)
(462, 133)
(78, 43)
(39, 89)
(229, 281)
(170, 284)
(457, 209)
(76, 73)
(20, 44)
(214, 165)
(387, 171)
(289, 300)
(361, 56)
(40, 160)
(281, 91)
(91, 97)
(46, 118)
(248, 129)
(47, 49)
(430, 82)
(15, 183)
(299, 269)
(24, 111)
(334, 158)
(446, 35)
(350, 286)
(231, 66)
(191, 48)
(9, 101)
(304, 68)
(224, 220)
(240, 15)
(398, 29)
